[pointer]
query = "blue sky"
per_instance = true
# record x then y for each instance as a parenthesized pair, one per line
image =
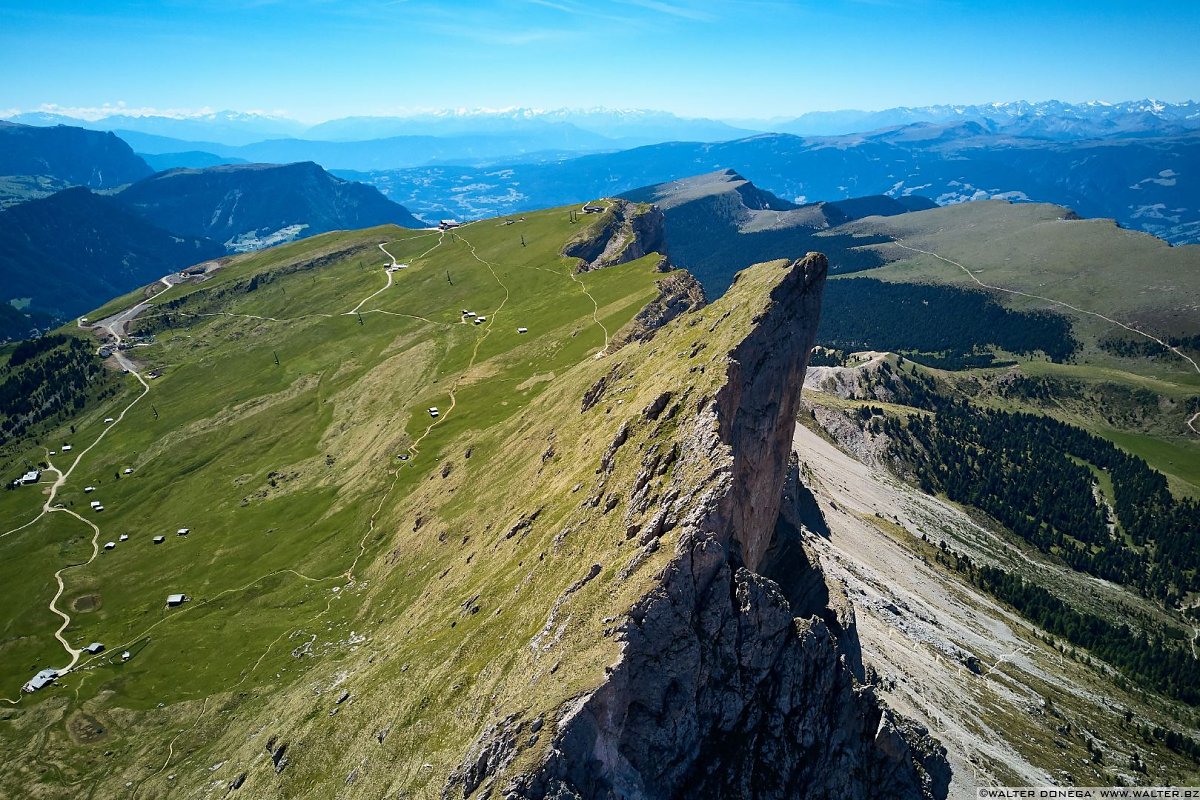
(319, 59)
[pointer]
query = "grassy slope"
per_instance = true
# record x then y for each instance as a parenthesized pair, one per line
(1092, 264)
(1029, 247)
(305, 523)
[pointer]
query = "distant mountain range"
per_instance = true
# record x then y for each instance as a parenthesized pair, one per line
(72, 155)
(64, 249)
(595, 128)
(395, 151)
(519, 131)
(521, 136)
(380, 142)
(1145, 183)
(229, 127)
(1051, 119)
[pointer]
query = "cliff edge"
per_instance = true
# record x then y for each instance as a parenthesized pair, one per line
(719, 688)
(626, 231)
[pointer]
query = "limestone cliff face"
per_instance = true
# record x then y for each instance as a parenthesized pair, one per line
(757, 406)
(720, 688)
(628, 232)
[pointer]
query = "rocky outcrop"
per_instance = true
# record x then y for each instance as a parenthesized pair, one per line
(758, 404)
(628, 231)
(724, 688)
(678, 293)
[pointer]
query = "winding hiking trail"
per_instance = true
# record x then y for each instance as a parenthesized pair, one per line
(1190, 422)
(389, 268)
(414, 448)
(66, 619)
(115, 327)
(595, 311)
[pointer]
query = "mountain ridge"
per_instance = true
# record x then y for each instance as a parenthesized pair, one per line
(1049, 118)
(719, 222)
(72, 155)
(243, 205)
(62, 252)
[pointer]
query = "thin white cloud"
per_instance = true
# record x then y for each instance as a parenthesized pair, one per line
(498, 35)
(563, 7)
(574, 8)
(672, 9)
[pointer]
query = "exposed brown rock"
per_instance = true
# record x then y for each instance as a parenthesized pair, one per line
(678, 293)
(629, 231)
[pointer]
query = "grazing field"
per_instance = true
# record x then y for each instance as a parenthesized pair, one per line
(279, 411)
(1037, 248)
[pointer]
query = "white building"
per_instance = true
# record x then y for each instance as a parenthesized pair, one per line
(43, 678)
(176, 599)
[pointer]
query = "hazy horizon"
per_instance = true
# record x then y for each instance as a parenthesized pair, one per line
(96, 113)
